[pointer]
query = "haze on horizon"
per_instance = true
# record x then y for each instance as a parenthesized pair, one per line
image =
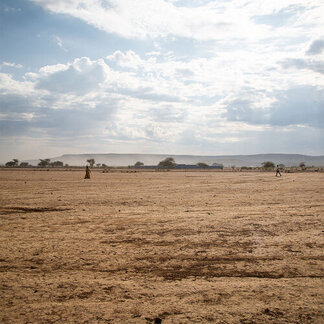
(164, 76)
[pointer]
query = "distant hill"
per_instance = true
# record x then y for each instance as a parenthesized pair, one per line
(112, 159)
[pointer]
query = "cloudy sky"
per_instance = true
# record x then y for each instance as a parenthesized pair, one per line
(161, 76)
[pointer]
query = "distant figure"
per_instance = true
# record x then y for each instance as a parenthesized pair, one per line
(88, 173)
(278, 171)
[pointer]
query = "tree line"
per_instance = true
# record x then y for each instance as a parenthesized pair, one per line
(168, 163)
(14, 163)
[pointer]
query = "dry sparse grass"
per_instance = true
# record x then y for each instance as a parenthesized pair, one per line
(185, 247)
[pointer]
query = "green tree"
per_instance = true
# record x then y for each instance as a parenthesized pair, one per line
(13, 163)
(57, 164)
(138, 164)
(44, 163)
(302, 165)
(167, 163)
(10, 164)
(24, 165)
(268, 165)
(91, 162)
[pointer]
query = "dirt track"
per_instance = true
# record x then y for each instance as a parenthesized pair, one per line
(187, 247)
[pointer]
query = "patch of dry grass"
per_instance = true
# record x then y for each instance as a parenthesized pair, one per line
(185, 247)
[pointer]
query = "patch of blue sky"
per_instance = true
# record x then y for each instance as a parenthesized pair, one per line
(281, 18)
(192, 4)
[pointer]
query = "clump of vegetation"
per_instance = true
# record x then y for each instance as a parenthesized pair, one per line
(138, 164)
(202, 165)
(91, 162)
(167, 163)
(44, 163)
(268, 165)
(302, 165)
(13, 163)
(57, 164)
(220, 165)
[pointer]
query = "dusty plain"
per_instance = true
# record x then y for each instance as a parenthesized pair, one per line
(184, 247)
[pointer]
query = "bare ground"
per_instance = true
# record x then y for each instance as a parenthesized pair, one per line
(185, 247)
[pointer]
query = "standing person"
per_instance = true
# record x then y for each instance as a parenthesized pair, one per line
(278, 171)
(88, 173)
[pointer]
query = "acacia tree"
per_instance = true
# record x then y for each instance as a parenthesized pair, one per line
(91, 162)
(57, 164)
(44, 163)
(13, 163)
(302, 165)
(139, 164)
(268, 165)
(167, 163)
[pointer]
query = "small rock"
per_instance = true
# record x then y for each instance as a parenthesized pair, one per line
(158, 320)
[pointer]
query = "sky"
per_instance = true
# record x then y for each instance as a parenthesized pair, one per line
(161, 76)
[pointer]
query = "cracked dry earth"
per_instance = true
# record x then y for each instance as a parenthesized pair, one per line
(184, 247)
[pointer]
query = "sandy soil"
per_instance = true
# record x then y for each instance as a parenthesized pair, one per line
(185, 247)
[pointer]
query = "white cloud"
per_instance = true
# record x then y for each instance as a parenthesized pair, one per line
(59, 43)
(9, 64)
(206, 21)
(216, 75)
(128, 59)
(9, 85)
(79, 77)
